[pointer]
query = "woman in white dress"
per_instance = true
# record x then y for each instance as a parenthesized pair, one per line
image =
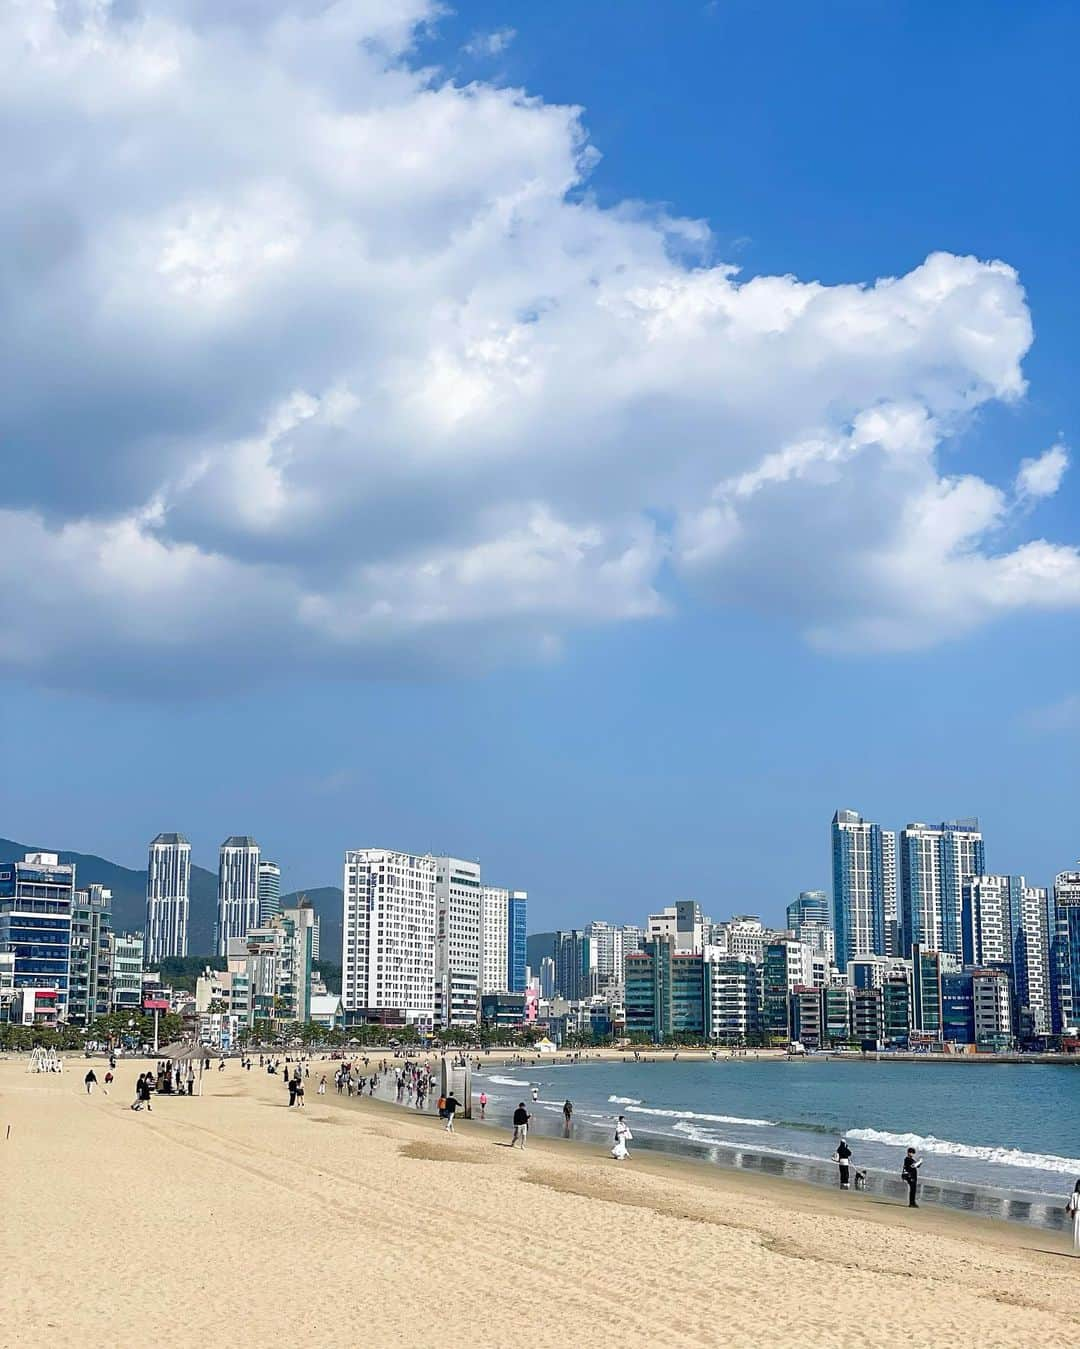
(1072, 1208)
(622, 1134)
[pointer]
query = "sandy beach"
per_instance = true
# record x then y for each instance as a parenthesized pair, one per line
(233, 1219)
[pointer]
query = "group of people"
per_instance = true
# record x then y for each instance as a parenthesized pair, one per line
(909, 1171)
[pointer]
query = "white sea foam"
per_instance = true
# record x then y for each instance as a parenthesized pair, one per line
(708, 1119)
(508, 1081)
(624, 1100)
(699, 1135)
(1034, 1161)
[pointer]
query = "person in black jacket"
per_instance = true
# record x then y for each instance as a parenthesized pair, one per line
(842, 1158)
(910, 1174)
(521, 1124)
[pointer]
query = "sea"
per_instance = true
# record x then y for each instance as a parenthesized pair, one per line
(1002, 1140)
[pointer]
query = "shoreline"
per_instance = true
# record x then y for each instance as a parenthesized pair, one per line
(341, 1219)
(1036, 1210)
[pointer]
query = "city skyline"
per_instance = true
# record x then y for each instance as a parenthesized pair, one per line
(267, 882)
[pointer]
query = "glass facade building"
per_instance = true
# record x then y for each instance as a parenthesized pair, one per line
(517, 908)
(36, 897)
(864, 887)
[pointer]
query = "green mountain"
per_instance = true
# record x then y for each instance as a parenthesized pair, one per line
(129, 897)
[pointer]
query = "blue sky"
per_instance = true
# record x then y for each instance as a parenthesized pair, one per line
(695, 652)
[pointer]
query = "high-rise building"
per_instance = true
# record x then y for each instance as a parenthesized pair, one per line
(539, 945)
(602, 935)
(864, 887)
(992, 1009)
(457, 942)
(1065, 954)
(494, 940)
(168, 880)
(300, 923)
(576, 976)
(732, 997)
(786, 965)
(36, 897)
(91, 968)
(926, 1007)
(934, 859)
(665, 991)
(811, 906)
(517, 919)
(1005, 923)
(125, 975)
(388, 936)
(269, 891)
(547, 978)
(238, 890)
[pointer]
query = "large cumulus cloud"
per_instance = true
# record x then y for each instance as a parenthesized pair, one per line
(303, 340)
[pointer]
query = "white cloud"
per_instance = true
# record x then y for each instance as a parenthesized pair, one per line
(1042, 477)
(313, 342)
(490, 44)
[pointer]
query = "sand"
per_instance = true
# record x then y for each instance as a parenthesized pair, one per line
(231, 1219)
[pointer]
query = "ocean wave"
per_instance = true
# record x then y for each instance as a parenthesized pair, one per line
(1033, 1161)
(708, 1136)
(708, 1119)
(508, 1081)
(624, 1100)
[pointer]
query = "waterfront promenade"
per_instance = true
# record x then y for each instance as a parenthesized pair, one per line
(232, 1218)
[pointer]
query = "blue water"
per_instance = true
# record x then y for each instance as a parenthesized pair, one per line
(999, 1138)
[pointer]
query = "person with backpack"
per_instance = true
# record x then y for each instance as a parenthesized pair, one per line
(910, 1175)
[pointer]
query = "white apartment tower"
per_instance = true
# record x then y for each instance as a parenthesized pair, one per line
(168, 878)
(238, 890)
(457, 941)
(494, 933)
(388, 936)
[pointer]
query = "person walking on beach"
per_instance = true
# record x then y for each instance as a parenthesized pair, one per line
(292, 1084)
(299, 1084)
(521, 1125)
(451, 1107)
(567, 1115)
(842, 1158)
(1072, 1208)
(536, 1093)
(322, 1085)
(91, 1082)
(483, 1103)
(910, 1175)
(144, 1090)
(622, 1134)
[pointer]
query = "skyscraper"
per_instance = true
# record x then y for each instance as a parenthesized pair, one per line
(1065, 954)
(864, 887)
(238, 890)
(1006, 923)
(457, 942)
(168, 878)
(934, 859)
(811, 906)
(269, 891)
(517, 915)
(388, 936)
